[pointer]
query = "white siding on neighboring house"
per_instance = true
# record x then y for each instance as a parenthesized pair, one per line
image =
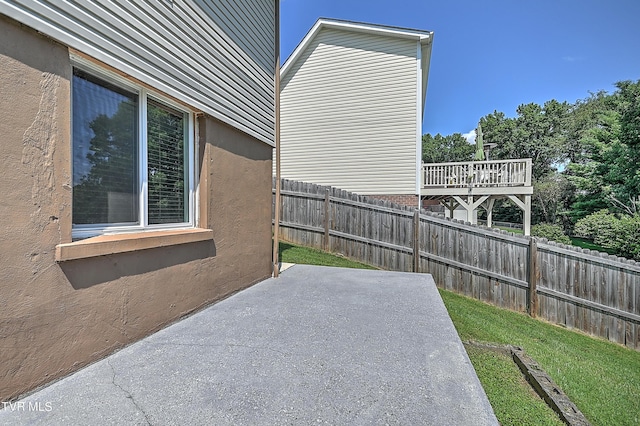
(217, 56)
(351, 108)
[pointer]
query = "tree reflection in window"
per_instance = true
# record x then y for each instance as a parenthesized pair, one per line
(105, 152)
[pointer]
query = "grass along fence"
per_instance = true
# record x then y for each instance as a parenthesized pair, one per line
(590, 291)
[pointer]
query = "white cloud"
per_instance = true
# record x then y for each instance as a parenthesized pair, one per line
(470, 136)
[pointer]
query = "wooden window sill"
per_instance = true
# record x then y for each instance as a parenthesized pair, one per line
(122, 243)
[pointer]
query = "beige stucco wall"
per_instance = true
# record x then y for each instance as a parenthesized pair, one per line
(57, 317)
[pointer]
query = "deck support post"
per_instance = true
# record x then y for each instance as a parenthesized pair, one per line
(524, 202)
(490, 203)
(450, 204)
(471, 205)
(527, 215)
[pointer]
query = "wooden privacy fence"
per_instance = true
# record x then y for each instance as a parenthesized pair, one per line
(590, 291)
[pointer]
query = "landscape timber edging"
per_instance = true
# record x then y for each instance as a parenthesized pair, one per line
(540, 381)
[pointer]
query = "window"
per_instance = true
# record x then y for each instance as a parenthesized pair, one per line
(132, 158)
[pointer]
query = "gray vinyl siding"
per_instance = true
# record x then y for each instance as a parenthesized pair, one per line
(349, 113)
(217, 56)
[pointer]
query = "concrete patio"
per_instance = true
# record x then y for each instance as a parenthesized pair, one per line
(317, 345)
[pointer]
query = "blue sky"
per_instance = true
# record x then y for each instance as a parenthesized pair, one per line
(497, 54)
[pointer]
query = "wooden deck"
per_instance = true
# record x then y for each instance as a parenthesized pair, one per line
(500, 177)
(476, 184)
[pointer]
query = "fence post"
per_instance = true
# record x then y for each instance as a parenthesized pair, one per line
(416, 241)
(533, 278)
(327, 211)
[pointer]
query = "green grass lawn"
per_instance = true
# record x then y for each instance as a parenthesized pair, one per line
(586, 244)
(514, 230)
(601, 378)
(291, 253)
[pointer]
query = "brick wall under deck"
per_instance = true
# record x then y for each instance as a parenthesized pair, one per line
(403, 199)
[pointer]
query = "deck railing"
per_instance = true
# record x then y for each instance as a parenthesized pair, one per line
(499, 173)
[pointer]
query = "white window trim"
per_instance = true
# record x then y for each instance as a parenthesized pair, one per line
(90, 230)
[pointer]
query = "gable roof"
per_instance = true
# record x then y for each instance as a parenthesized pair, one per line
(424, 37)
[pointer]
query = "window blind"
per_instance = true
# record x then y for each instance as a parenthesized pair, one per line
(167, 197)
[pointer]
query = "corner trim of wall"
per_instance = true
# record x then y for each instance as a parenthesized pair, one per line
(121, 243)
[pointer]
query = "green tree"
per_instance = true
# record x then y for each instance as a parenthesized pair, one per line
(591, 174)
(604, 167)
(446, 149)
(549, 198)
(599, 227)
(584, 115)
(628, 237)
(538, 132)
(626, 191)
(498, 129)
(621, 234)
